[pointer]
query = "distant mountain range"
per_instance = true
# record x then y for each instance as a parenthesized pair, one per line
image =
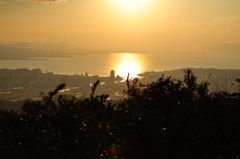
(23, 50)
(223, 49)
(63, 46)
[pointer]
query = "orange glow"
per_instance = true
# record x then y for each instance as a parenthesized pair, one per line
(132, 5)
(128, 63)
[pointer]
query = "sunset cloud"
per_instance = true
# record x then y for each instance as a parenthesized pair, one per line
(43, 1)
(229, 19)
(2, 2)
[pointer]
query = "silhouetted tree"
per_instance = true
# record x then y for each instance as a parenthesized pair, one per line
(167, 118)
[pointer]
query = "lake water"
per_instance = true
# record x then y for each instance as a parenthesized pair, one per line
(123, 63)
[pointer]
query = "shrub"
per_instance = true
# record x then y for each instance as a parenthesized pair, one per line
(164, 119)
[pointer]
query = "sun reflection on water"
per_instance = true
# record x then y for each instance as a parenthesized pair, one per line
(125, 63)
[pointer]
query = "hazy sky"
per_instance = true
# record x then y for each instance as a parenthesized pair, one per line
(141, 25)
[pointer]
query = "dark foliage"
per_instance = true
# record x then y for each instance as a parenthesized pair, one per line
(165, 119)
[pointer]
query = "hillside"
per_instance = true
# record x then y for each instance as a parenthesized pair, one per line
(220, 79)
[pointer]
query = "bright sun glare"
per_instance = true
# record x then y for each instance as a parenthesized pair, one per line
(131, 5)
(128, 63)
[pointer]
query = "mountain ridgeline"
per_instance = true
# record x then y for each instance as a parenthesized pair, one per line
(24, 50)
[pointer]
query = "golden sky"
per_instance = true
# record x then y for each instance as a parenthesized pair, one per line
(127, 25)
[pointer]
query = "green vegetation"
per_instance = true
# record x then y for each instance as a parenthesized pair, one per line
(168, 118)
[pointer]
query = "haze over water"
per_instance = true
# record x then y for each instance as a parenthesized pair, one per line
(123, 63)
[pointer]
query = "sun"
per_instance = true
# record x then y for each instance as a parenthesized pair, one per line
(131, 5)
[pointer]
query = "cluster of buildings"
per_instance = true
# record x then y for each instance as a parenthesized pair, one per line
(23, 77)
(40, 81)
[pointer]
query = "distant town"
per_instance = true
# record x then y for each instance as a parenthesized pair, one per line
(17, 85)
(25, 79)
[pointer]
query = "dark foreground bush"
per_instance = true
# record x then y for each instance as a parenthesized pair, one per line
(164, 119)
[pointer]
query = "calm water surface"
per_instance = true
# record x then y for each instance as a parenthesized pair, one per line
(123, 63)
